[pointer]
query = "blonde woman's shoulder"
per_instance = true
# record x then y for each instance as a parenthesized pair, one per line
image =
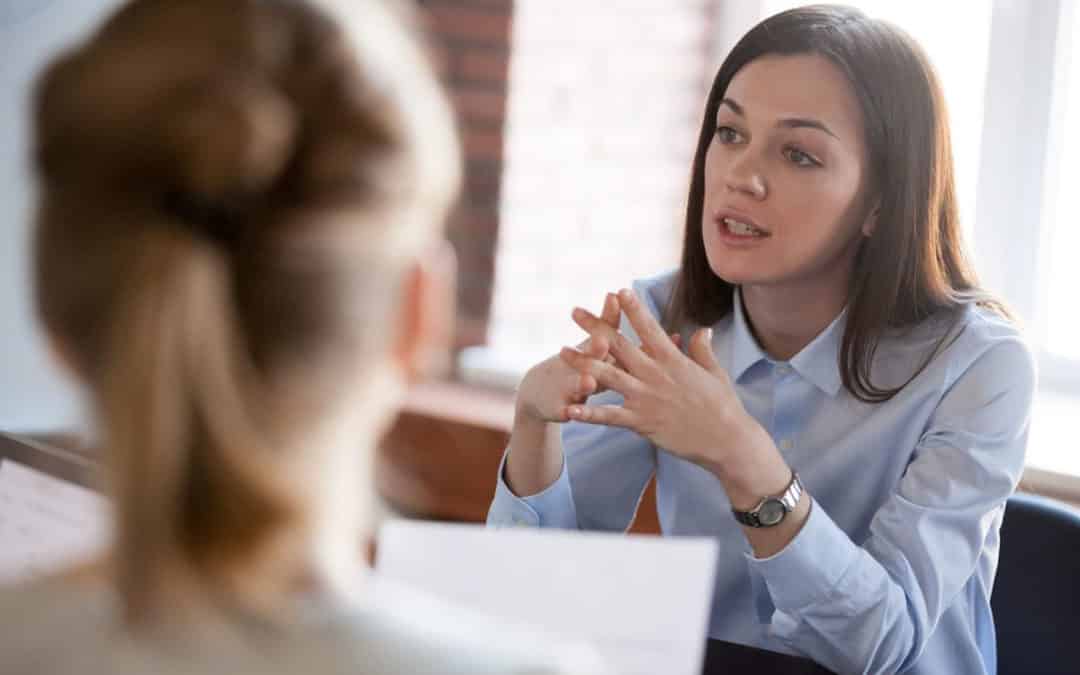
(51, 628)
(62, 628)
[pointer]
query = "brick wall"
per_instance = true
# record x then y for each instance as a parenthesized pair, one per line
(578, 120)
(605, 102)
(471, 45)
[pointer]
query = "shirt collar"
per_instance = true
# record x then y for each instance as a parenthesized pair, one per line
(745, 352)
(818, 362)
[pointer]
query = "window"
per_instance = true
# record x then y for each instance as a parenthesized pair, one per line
(1056, 320)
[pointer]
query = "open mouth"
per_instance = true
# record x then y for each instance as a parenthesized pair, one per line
(740, 228)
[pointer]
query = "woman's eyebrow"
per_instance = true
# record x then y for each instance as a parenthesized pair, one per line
(790, 123)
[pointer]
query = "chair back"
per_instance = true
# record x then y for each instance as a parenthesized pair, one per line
(1036, 596)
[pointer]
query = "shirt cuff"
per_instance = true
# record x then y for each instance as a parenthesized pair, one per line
(551, 507)
(810, 566)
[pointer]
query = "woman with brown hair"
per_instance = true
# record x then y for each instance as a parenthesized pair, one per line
(848, 392)
(239, 255)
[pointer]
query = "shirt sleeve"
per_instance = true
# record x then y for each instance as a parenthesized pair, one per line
(552, 507)
(605, 470)
(872, 608)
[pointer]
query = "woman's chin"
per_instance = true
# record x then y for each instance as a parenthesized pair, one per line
(736, 270)
(739, 277)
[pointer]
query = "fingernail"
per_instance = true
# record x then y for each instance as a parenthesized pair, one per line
(626, 295)
(708, 334)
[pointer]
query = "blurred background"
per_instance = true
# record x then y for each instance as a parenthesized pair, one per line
(579, 118)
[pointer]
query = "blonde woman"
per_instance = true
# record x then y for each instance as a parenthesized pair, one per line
(238, 255)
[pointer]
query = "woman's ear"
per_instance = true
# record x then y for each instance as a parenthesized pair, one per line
(426, 321)
(871, 220)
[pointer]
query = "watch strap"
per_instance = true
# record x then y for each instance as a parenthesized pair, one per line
(786, 501)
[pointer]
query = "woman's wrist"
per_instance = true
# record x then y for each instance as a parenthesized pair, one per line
(527, 418)
(748, 465)
(535, 455)
(745, 489)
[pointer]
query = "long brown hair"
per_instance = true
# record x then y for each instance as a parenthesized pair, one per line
(914, 266)
(229, 193)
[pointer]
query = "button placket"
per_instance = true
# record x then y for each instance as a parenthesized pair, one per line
(783, 415)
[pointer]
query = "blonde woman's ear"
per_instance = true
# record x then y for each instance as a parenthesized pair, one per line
(426, 320)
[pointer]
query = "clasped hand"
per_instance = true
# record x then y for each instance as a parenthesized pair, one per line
(684, 403)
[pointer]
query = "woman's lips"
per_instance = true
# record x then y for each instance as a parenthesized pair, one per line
(737, 228)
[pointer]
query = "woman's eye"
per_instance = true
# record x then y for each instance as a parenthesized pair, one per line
(800, 158)
(727, 135)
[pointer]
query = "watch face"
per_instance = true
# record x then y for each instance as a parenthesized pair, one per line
(771, 512)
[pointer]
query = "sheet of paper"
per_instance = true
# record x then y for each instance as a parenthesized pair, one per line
(642, 602)
(46, 523)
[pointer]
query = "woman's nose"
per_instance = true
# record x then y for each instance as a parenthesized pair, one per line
(745, 178)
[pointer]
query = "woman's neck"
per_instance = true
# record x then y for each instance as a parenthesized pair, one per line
(342, 519)
(785, 319)
(342, 487)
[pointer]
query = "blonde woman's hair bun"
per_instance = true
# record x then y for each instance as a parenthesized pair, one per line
(232, 139)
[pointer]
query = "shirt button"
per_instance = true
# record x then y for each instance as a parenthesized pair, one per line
(783, 369)
(518, 522)
(786, 444)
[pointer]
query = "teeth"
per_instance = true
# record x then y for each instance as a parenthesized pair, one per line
(741, 229)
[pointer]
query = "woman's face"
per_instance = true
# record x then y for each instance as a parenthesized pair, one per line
(785, 176)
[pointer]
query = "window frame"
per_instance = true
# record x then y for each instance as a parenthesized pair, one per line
(1029, 53)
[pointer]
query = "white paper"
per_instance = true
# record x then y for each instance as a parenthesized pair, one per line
(641, 602)
(46, 523)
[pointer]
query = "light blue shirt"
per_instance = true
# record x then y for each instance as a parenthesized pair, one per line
(894, 566)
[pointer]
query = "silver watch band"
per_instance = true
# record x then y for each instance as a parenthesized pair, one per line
(771, 511)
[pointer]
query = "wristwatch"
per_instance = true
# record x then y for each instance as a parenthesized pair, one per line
(771, 510)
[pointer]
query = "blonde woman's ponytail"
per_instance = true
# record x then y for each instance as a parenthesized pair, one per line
(191, 476)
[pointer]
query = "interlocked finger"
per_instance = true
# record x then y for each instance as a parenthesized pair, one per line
(608, 415)
(653, 338)
(626, 353)
(606, 375)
